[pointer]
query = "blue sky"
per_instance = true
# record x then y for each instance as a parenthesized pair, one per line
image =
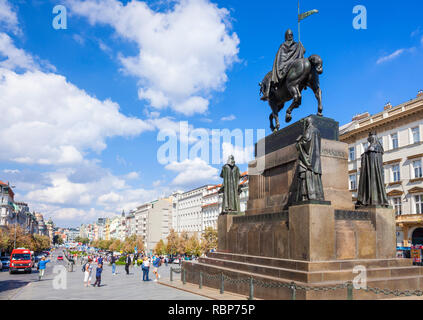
(84, 105)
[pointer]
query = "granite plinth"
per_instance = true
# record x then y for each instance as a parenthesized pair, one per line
(271, 178)
(329, 129)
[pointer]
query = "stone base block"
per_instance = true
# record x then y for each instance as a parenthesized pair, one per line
(393, 274)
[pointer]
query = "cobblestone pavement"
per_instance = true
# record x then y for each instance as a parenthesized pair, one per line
(113, 287)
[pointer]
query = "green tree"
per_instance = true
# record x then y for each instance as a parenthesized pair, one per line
(209, 239)
(116, 245)
(131, 242)
(173, 243)
(57, 239)
(160, 248)
(193, 246)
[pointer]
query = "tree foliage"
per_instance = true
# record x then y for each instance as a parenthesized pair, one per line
(33, 242)
(209, 239)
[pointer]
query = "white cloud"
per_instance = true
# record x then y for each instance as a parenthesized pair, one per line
(241, 155)
(184, 53)
(15, 58)
(11, 171)
(132, 175)
(228, 118)
(8, 17)
(192, 172)
(390, 57)
(54, 122)
(395, 55)
(79, 39)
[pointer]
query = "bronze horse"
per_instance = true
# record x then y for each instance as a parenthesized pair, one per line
(303, 73)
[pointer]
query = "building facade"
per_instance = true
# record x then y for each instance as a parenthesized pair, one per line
(399, 129)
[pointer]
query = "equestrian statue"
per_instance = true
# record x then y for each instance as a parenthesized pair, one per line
(291, 74)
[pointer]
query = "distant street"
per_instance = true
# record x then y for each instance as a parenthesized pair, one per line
(121, 286)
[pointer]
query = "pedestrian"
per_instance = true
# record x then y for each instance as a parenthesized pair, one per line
(156, 264)
(100, 260)
(127, 263)
(166, 260)
(145, 267)
(42, 267)
(113, 261)
(87, 273)
(98, 272)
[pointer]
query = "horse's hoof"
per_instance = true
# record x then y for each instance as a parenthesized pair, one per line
(288, 118)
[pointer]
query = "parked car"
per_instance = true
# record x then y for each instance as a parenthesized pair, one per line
(175, 261)
(5, 261)
(59, 257)
(20, 260)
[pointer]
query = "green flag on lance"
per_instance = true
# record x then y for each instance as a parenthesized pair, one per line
(307, 14)
(302, 16)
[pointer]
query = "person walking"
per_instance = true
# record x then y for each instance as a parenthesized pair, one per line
(98, 272)
(156, 264)
(100, 260)
(113, 261)
(87, 273)
(127, 263)
(42, 267)
(145, 267)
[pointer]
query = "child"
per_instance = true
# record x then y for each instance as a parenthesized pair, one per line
(98, 275)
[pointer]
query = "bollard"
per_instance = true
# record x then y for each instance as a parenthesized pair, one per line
(294, 291)
(222, 284)
(171, 274)
(201, 281)
(184, 279)
(251, 297)
(350, 291)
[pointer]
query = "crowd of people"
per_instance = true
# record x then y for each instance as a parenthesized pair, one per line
(96, 262)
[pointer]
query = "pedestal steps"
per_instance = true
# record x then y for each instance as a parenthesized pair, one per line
(334, 265)
(398, 278)
(315, 276)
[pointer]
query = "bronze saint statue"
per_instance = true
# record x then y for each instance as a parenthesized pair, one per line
(309, 164)
(371, 187)
(230, 187)
(291, 74)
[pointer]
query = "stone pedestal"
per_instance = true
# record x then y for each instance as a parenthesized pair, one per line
(384, 221)
(224, 224)
(311, 244)
(312, 232)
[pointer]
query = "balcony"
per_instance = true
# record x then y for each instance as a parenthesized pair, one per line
(409, 218)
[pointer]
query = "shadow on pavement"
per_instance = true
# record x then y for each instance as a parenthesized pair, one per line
(7, 285)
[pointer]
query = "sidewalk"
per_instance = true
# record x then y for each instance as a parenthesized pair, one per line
(207, 292)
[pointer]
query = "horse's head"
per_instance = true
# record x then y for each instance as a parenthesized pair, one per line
(317, 63)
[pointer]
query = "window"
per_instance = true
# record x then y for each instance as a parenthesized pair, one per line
(397, 204)
(415, 133)
(396, 176)
(394, 140)
(419, 204)
(352, 154)
(353, 182)
(417, 166)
